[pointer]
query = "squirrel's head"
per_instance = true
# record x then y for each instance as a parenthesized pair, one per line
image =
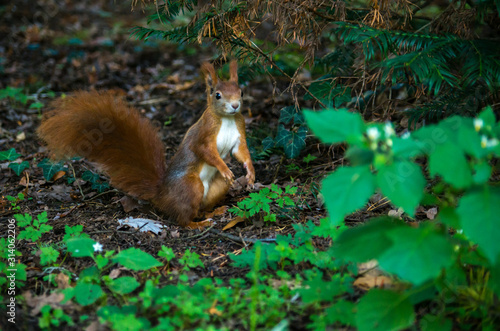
(224, 97)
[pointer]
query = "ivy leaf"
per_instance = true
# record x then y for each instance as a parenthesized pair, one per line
(346, 190)
(100, 186)
(384, 310)
(291, 141)
(267, 143)
(478, 212)
(135, 259)
(416, 255)
(19, 167)
(9, 155)
(296, 142)
(287, 114)
(449, 161)
(403, 183)
(336, 126)
(49, 168)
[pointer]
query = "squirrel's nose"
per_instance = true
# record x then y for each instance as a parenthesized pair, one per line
(235, 105)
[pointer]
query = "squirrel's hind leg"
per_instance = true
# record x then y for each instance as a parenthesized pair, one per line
(216, 192)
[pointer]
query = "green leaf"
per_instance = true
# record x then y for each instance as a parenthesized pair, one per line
(448, 161)
(417, 254)
(360, 156)
(287, 114)
(346, 190)
(403, 183)
(86, 294)
(435, 323)
(296, 142)
(9, 155)
(478, 211)
(19, 167)
(49, 168)
(342, 311)
(488, 117)
(336, 126)
(482, 172)
(405, 148)
(385, 311)
(123, 285)
(81, 247)
(49, 255)
(351, 244)
(136, 259)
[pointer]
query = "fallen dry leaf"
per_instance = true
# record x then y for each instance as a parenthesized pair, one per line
(58, 175)
(143, 224)
(369, 281)
(235, 221)
(217, 212)
(129, 203)
(62, 281)
(54, 299)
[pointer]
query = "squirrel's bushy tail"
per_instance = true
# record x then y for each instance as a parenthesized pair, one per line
(105, 130)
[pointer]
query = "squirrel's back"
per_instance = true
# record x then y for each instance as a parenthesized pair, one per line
(105, 130)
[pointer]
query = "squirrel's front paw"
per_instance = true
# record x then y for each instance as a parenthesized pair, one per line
(228, 176)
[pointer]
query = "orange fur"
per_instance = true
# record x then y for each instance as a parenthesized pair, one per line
(127, 147)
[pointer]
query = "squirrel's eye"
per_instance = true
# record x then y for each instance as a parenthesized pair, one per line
(218, 96)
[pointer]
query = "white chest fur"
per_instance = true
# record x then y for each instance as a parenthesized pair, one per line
(228, 139)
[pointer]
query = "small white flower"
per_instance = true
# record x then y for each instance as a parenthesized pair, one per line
(460, 231)
(492, 142)
(77, 251)
(484, 141)
(406, 135)
(97, 247)
(373, 133)
(478, 124)
(389, 130)
(389, 142)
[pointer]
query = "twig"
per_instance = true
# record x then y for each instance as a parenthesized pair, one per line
(240, 239)
(76, 180)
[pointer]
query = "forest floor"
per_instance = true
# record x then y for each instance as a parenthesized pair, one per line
(86, 45)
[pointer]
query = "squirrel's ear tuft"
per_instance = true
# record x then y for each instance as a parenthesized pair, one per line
(208, 70)
(233, 71)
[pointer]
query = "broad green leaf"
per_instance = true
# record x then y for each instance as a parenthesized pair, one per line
(360, 156)
(405, 148)
(417, 254)
(346, 190)
(351, 244)
(448, 161)
(81, 247)
(488, 118)
(124, 285)
(384, 310)
(136, 259)
(435, 323)
(479, 212)
(403, 183)
(469, 140)
(86, 294)
(482, 172)
(9, 155)
(19, 167)
(336, 126)
(342, 311)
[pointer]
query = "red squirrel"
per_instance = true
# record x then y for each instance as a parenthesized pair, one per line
(127, 147)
